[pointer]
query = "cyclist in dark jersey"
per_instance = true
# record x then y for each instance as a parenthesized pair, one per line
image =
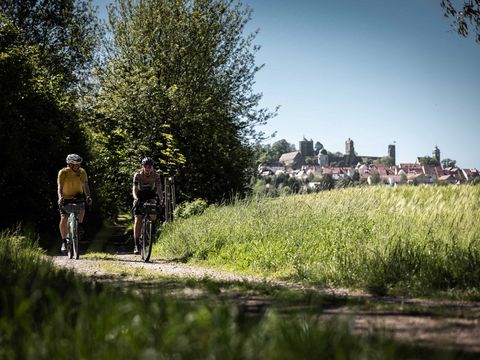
(146, 186)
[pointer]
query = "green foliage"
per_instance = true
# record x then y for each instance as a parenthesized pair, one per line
(48, 313)
(270, 153)
(465, 17)
(176, 84)
(295, 184)
(335, 159)
(65, 32)
(385, 160)
(38, 128)
(474, 181)
(326, 182)
(428, 161)
(448, 163)
(375, 178)
(188, 209)
(344, 182)
(405, 239)
(356, 176)
(311, 160)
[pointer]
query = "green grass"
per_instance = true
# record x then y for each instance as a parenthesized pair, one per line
(47, 313)
(405, 240)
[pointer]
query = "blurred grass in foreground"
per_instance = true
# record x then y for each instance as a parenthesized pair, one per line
(49, 313)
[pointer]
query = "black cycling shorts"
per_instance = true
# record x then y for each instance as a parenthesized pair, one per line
(138, 205)
(70, 201)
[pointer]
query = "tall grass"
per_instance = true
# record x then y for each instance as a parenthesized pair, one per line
(379, 238)
(49, 313)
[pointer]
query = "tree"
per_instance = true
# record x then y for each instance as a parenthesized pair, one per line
(385, 160)
(65, 32)
(374, 178)
(335, 159)
(177, 83)
(344, 182)
(318, 147)
(356, 176)
(281, 147)
(448, 163)
(270, 153)
(38, 128)
(311, 160)
(464, 17)
(428, 161)
(327, 182)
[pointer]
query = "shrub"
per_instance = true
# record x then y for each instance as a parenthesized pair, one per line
(188, 209)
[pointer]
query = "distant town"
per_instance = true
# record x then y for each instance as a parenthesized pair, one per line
(315, 163)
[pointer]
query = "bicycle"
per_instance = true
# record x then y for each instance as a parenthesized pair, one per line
(148, 231)
(73, 209)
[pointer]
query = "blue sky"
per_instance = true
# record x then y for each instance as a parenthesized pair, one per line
(375, 71)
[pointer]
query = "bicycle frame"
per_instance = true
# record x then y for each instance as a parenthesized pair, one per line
(148, 231)
(73, 209)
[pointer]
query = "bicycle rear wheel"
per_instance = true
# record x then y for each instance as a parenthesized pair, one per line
(147, 239)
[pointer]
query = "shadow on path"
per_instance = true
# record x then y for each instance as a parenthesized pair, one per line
(429, 323)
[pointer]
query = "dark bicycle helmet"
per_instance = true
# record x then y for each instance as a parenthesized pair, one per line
(148, 161)
(74, 159)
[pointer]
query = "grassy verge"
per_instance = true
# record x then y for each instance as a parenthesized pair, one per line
(50, 313)
(406, 240)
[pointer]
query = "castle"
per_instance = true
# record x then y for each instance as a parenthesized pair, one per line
(307, 151)
(317, 161)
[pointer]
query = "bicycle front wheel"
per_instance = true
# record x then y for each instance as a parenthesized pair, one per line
(70, 236)
(72, 246)
(147, 239)
(76, 252)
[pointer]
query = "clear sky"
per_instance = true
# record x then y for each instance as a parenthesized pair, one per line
(375, 71)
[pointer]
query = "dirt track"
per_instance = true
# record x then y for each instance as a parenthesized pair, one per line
(444, 324)
(432, 323)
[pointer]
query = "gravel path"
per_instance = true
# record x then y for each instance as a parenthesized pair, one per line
(446, 324)
(432, 323)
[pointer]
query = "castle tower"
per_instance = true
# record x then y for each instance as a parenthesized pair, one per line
(436, 153)
(349, 149)
(306, 147)
(391, 152)
(349, 158)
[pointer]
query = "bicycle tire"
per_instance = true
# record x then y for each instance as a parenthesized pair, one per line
(147, 239)
(72, 244)
(70, 235)
(76, 253)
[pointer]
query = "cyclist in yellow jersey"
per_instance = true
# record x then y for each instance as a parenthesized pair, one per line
(72, 186)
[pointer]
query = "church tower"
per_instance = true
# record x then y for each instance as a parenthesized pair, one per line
(436, 153)
(391, 152)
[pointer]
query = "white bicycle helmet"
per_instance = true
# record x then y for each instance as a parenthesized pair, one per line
(148, 161)
(74, 159)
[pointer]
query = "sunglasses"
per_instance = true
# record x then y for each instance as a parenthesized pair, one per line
(147, 166)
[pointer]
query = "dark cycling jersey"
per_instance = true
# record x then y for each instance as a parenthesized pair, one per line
(147, 185)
